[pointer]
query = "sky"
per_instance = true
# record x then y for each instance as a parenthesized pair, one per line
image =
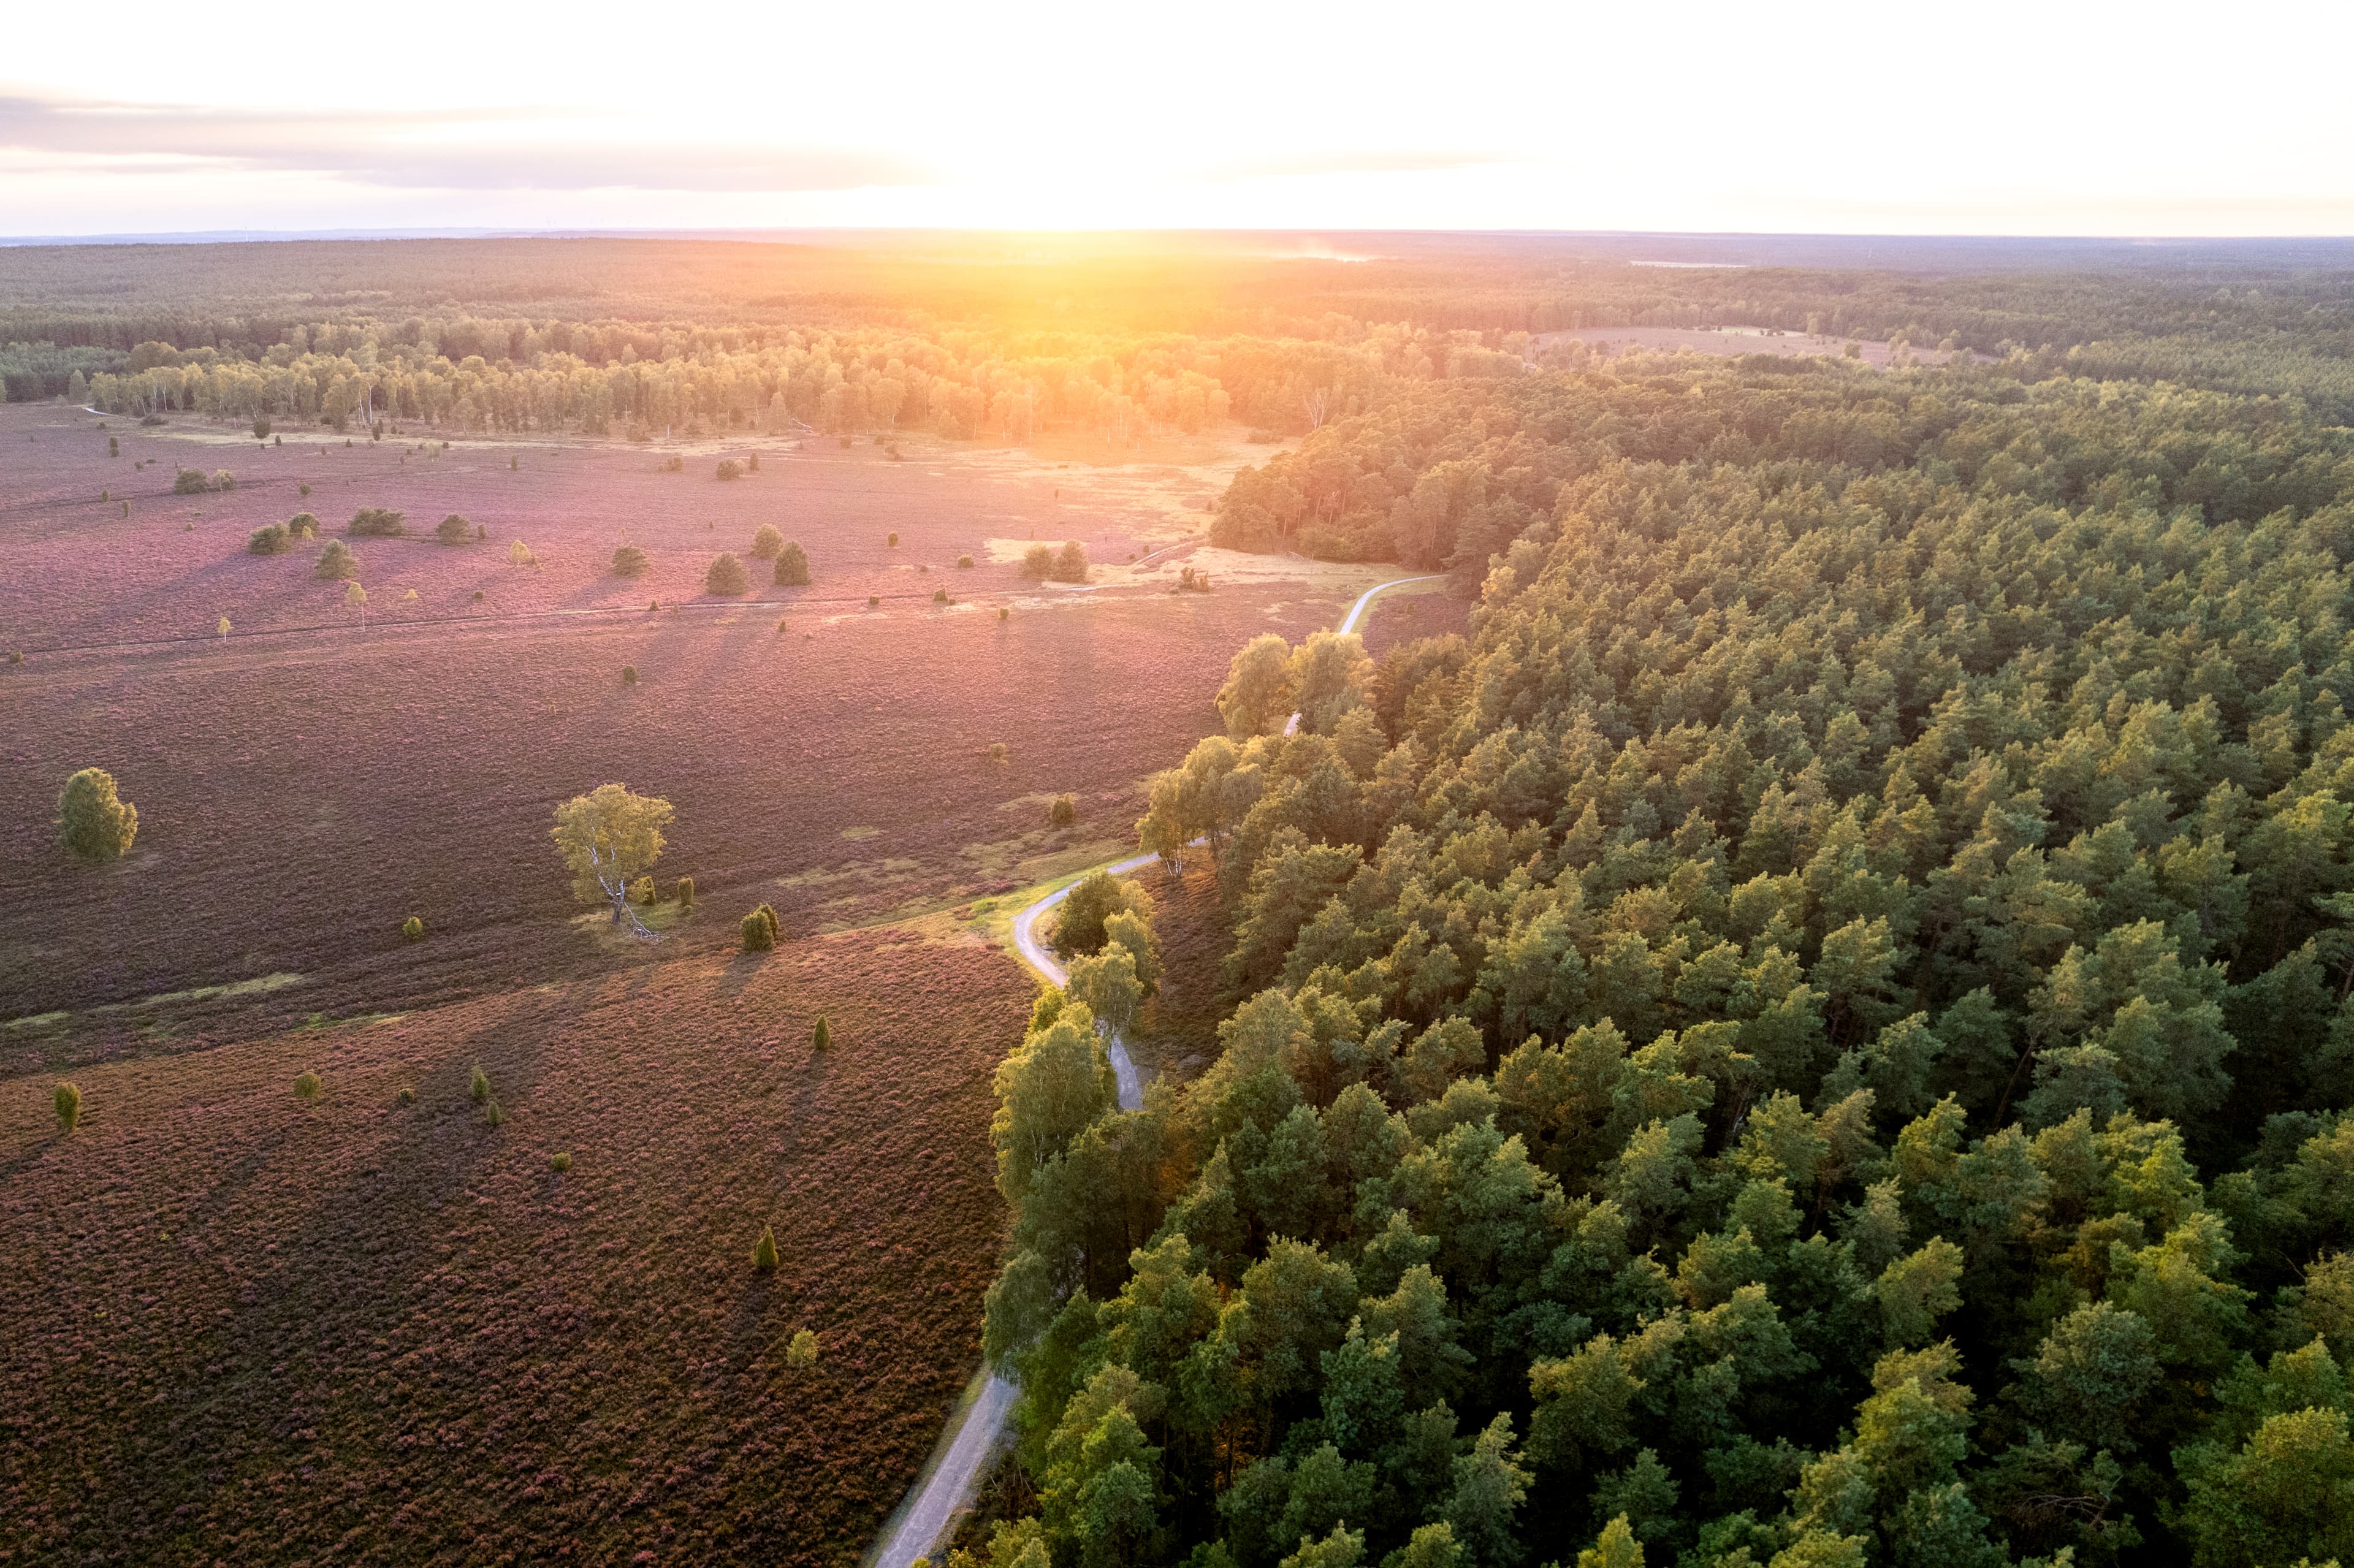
(2056, 117)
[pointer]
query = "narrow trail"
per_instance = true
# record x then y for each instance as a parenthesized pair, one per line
(925, 1518)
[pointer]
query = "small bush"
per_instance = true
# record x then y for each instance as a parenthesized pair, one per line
(964, 563)
(1071, 563)
(412, 929)
(95, 823)
(560, 1161)
(492, 1115)
(519, 555)
(940, 596)
(998, 752)
(479, 1085)
(629, 674)
(1063, 812)
(629, 561)
(687, 893)
(270, 539)
(377, 522)
(891, 540)
(306, 1087)
(727, 576)
(822, 1037)
(188, 482)
(764, 1251)
(336, 562)
(406, 1096)
(68, 1101)
(222, 480)
(642, 892)
(727, 468)
(1002, 613)
(114, 447)
(303, 525)
(261, 429)
(873, 600)
(453, 530)
(1038, 562)
(802, 1353)
(759, 929)
(766, 542)
(304, 489)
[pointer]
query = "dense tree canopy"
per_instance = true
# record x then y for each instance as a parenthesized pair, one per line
(1818, 1034)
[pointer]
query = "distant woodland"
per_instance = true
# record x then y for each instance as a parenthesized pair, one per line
(1819, 1033)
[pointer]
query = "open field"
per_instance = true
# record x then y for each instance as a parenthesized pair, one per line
(1728, 341)
(362, 1331)
(302, 792)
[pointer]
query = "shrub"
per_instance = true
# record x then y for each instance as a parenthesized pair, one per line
(412, 929)
(377, 522)
(270, 539)
(940, 596)
(519, 555)
(492, 1115)
(1097, 897)
(221, 480)
(802, 1353)
(1071, 563)
(629, 674)
(874, 599)
(114, 447)
(453, 530)
(479, 1085)
(68, 1101)
(304, 488)
(261, 429)
(629, 561)
(93, 820)
(306, 1087)
(188, 482)
(642, 892)
(891, 540)
(792, 564)
(964, 563)
(336, 562)
(1064, 812)
(764, 1251)
(998, 752)
(303, 525)
(766, 542)
(406, 1096)
(1002, 613)
(727, 576)
(822, 1037)
(687, 893)
(1038, 562)
(560, 1161)
(759, 929)
(727, 468)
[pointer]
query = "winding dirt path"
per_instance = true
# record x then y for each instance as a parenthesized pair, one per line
(925, 1518)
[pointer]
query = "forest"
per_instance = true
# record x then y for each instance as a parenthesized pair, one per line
(1818, 1034)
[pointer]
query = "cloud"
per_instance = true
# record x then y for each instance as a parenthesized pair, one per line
(429, 150)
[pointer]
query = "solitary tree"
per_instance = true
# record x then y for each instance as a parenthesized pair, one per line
(822, 1037)
(764, 1251)
(629, 561)
(727, 576)
(766, 542)
(608, 837)
(356, 597)
(95, 821)
(68, 1100)
(223, 628)
(1038, 562)
(337, 562)
(792, 564)
(1071, 563)
(453, 530)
